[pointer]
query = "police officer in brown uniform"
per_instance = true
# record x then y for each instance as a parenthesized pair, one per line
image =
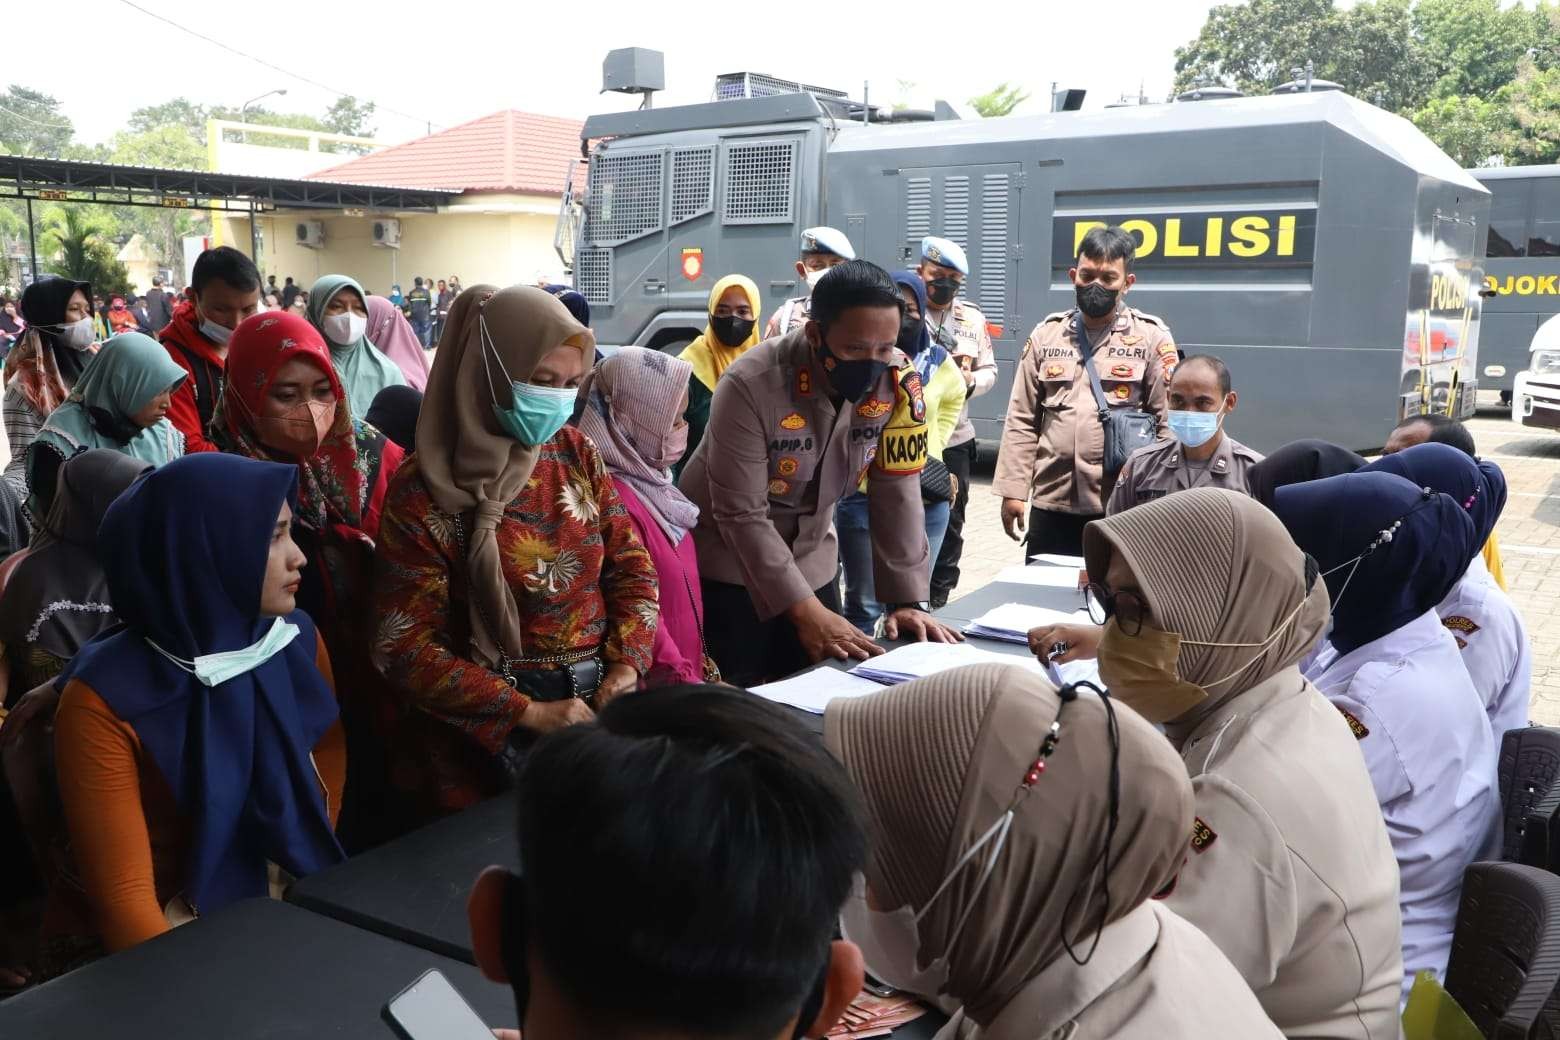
(1053, 445)
(795, 424)
(1199, 453)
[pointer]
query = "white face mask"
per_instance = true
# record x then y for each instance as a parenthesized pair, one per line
(77, 335)
(814, 276)
(890, 942)
(346, 328)
(218, 334)
(216, 669)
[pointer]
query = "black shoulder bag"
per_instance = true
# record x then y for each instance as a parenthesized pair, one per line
(1126, 430)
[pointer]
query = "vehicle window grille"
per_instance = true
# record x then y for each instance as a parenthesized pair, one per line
(956, 216)
(693, 177)
(593, 274)
(760, 182)
(918, 214)
(991, 276)
(623, 197)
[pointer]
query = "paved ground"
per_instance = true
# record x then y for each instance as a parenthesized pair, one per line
(1529, 537)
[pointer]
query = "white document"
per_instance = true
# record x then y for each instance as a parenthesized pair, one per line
(918, 660)
(1057, 560)
(1011, 622)
(1049, 577)
(812, 691)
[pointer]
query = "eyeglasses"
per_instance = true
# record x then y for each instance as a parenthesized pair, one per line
(1126, 607)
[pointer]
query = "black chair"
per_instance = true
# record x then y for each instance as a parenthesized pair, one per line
(1529, 796)
(1505, 962)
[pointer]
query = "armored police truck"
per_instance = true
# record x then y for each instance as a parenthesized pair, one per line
(1325, 249)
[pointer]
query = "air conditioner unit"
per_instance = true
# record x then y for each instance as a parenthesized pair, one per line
(311, 234)
(387, 233)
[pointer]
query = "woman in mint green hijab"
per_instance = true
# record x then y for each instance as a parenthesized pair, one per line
(119, 402)
(338, 308)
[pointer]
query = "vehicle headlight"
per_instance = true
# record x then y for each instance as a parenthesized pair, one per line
(1546, 362)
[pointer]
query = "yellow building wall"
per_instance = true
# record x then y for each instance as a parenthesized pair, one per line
(498, 247)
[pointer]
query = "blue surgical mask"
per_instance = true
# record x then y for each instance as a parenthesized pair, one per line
(216, 669)
(536, 412)
(1194, 429)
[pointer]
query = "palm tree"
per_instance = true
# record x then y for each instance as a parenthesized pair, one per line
(84, 251)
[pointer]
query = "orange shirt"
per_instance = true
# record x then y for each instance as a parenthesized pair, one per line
(128, 835)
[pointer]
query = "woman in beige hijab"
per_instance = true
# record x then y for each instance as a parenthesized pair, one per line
(512, 591)
(1016, 835)
(1292, 874)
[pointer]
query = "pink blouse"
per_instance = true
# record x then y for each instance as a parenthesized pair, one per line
(678, 654)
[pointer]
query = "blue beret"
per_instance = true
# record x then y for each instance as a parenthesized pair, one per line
(827, 240)
(948, 254)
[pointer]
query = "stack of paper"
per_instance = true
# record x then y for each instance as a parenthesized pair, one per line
(918, 660)
(1058, 560)
(1011, 622)
(812, 691)
(875, 1016)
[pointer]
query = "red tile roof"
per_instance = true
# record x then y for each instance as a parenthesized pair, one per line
(506, 151)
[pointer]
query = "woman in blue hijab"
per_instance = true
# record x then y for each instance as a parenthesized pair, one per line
(1491, 638)
(1390, 551)
(199, 746)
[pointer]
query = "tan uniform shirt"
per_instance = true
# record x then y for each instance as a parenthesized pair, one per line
(776, 458)
(1160, 469)
(792, 315)
(1153, 977)
(1053, 448)
(1291, 872)
(971, 351)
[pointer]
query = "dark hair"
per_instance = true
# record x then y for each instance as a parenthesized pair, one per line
(1104, 244)
(228, 266)
(1221, 371)
(855, 283)
(417, 281)
(685, 858)
(1443, 430)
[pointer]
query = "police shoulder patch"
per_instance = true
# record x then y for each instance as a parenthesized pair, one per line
(910, 384)
(1461, 624)
(1203, 836)
(1355, 725)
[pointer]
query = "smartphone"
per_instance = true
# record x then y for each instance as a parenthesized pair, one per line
(432, 1009)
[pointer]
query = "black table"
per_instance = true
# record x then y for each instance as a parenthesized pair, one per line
(255, 969)
(414, 888)
(962, 611)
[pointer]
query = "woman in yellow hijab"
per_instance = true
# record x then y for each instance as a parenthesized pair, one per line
(730, 332)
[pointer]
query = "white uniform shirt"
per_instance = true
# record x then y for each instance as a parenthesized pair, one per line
(1494, 644)
(1431, 758)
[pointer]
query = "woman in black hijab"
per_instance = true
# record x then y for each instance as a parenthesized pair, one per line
(1296, 463)
(45, 363)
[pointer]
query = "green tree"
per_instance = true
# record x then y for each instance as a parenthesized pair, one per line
(348, 115)
(1378, 55)
(1256, 46)
(1000, 101)
(1533, 104)
(180, 112)
(79, 236)
(1474, 132)
(1473, 47)
(31, 123)
(168, 146)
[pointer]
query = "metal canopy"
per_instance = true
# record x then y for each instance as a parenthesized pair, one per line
(69, 180)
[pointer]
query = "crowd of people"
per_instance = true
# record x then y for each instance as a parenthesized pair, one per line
(278, 590)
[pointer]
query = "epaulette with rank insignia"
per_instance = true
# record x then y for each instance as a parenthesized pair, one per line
(1152, 319)
(1058, 316)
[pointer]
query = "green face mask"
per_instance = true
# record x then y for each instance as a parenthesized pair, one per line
(1140, 672)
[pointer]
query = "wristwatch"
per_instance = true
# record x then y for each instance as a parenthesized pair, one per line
(923, 606)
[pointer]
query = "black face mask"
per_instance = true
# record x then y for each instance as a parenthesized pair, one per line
(731, 330)
(1095, 300)
(912, 335)
(941, 291)
(849, 379)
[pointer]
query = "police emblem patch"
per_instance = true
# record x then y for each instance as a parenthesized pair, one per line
(910, 383)
(1121, 393)
(1203, 836)
(1054, 371)
(779, 487)
(1121, 371)
(872, 408)
(786, 467)
(1130, 340)
(794, 421)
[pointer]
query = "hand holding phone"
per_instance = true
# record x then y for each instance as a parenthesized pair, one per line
(432, 1009)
